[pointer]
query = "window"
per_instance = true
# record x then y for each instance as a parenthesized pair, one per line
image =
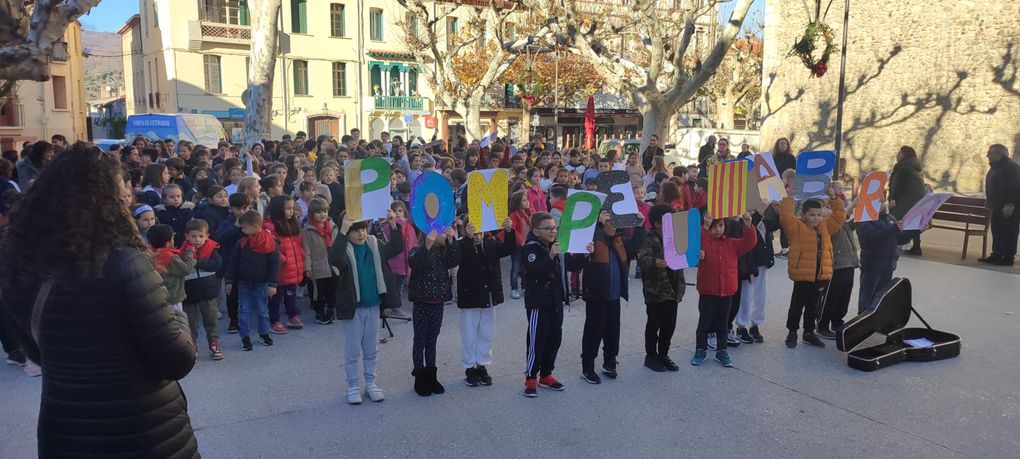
(300, 78)
(339, 79)
(337, 18)
(227, 12)
(375, 24)
(299, 16)
(247, 71)
(452, 28)
(412, 23)
(155, 15)
(213, 80)
(412, 82)
(59, 92)
(145, 20)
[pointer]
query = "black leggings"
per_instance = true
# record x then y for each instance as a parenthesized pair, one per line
(427, 320)
(659, 328)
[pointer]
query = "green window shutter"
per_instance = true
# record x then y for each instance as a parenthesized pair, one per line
(244, 15)
(299, 16)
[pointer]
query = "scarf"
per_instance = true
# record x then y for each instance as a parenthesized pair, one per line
(261, 242)
(204, 252)
(325, 230)
(162, 257)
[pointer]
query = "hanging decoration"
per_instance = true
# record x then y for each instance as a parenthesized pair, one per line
(806, 48)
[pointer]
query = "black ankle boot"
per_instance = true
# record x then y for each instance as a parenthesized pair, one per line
(434, 384)
(421, 383)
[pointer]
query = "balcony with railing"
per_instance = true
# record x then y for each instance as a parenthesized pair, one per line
(401, 103)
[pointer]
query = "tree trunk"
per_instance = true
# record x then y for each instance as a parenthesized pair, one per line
(724, 112)
(258, 101)
(472, 112)
(654, 120)
(26, 46)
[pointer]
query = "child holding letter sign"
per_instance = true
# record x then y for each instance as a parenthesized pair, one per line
(663, 290)
(717, 283)
(544, 296)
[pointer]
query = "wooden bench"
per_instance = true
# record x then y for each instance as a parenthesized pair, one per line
(967, 215)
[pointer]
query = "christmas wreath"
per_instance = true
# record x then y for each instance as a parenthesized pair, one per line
(807, 45)
(531, 89)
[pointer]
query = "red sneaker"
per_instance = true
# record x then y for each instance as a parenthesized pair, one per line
(531, 388)
(295, 323)
(277, 328)
(214, 350)
(550, 382)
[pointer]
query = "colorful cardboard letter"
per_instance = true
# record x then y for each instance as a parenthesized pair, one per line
(869, 197)
(726, 195)
(770, 184)
(681, 238)
(367, 189)
(580, 214)
(487, 198)
(814, 174)
(755, 199)
(620, 201)
(432, 205)
(917, 217)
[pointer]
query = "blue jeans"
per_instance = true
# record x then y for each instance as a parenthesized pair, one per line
(252, 298)
(515, 268)
(361, 341)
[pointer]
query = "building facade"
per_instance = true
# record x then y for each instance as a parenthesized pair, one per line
(940, 76)
(341, 66)
(40, 110)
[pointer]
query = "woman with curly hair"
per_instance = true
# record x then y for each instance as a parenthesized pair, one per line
(87, 305)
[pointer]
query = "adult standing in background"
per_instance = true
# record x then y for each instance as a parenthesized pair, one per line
(706, 150)
(651, 151)
(32, 164)
(784, 159)
(1002, 197)
(906, 188)
(87, 304)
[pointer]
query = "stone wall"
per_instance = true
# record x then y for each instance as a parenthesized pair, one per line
(942, 76)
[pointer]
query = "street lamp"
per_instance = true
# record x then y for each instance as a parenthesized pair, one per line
(841, 97)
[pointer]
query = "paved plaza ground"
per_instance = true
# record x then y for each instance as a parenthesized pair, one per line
(288, 401)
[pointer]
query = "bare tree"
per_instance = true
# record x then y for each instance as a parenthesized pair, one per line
(483, 41)
(737, 82)
(26, 44)
(258, 98)
(645, 47)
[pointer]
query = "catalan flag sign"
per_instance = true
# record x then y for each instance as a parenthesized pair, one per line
(727, 193)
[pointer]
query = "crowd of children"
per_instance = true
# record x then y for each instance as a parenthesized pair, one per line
(250, 230)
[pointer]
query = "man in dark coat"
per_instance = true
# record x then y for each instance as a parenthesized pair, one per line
(1002, 196)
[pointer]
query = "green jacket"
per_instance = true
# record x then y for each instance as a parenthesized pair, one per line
(660, 285)
(845, 249)
(173, 278)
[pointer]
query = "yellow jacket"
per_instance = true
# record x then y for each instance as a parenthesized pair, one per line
(807, 243)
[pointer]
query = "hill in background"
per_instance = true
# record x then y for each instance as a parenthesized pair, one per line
(104, 66)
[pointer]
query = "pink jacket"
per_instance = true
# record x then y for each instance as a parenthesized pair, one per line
(536, 197)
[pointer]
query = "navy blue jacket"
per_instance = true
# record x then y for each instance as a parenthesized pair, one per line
(177, 218)
(212, 215)
(227, 235)
(254, 268)
(878, 242)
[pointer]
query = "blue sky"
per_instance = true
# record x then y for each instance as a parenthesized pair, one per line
(109, 15)
(753, 20)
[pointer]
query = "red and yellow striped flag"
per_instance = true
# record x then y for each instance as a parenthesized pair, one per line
(727, 189)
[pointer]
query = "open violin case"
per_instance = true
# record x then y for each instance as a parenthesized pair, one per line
(888, 317)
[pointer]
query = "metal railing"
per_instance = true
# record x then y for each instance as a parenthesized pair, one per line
(409, 103)
(225, 32)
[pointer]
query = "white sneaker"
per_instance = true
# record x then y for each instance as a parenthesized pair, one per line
(354, 395)
(516, 294)
(711, 341)
(32, 369)
(375, 394)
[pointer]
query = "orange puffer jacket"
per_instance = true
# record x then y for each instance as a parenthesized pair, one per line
(805, 241)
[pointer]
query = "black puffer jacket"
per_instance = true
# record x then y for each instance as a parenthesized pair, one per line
(212, 215)
(906, 186)
(203, 284)
(480, 275)
(430, 273)
(341, 256)
(1002, 184)
(112, 350)
(762, 255)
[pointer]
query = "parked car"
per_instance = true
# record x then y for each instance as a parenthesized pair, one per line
(681, 156)
(105, 144)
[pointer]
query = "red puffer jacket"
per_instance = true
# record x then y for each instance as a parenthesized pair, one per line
(292, 256)
(717, 272)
